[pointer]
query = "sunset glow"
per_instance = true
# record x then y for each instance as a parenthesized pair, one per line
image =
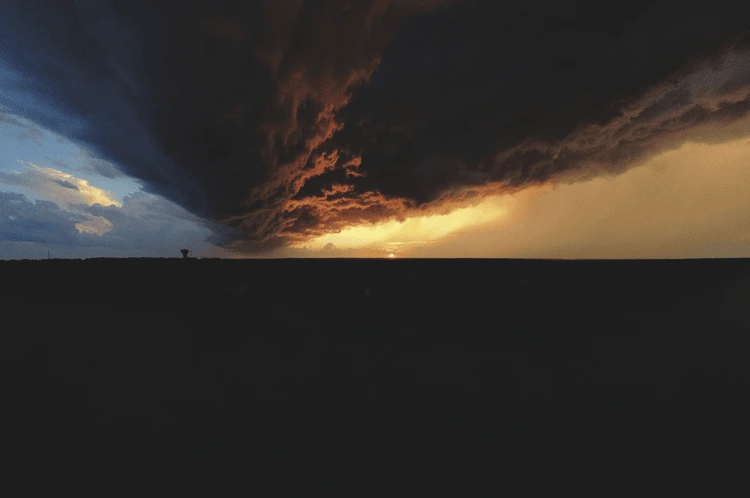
(350, 243)
(379, 129)
(396, 236)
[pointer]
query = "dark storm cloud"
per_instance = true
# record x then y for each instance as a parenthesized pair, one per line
(290, 118)
(520, 93)
(80, 69)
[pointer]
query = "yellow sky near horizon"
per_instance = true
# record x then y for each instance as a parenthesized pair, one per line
(397, 236)
(688, 202)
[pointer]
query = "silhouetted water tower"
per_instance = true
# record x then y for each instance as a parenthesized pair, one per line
(184, 253)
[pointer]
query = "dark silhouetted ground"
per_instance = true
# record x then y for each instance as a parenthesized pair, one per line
(472, 377)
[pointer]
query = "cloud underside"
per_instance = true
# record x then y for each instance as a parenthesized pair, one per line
(290, 120)
(690, 202)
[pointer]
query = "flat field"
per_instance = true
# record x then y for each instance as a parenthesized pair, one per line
(222, 375)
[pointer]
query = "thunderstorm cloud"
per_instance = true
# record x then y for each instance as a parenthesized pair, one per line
(282, 120)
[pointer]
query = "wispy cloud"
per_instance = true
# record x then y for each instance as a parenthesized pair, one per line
(59, 187)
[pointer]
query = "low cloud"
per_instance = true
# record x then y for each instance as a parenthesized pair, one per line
(144, 226)
(41, 221)
(97, 225)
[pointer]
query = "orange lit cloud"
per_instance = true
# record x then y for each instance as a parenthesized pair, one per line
(662, 119)
(690, 201)
(312, 82)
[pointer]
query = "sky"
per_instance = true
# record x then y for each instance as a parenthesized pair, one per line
(374, 128)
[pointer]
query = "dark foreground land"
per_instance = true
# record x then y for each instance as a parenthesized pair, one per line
(474, 377)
